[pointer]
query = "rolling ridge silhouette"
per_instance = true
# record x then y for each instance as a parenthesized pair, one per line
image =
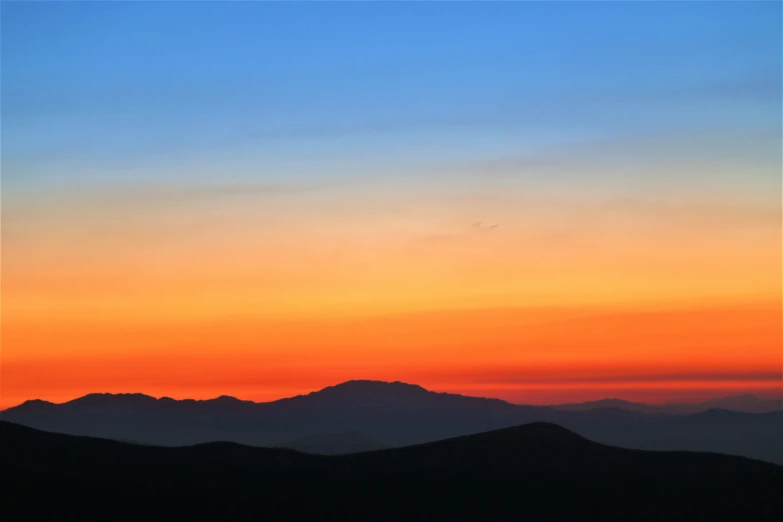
(539, 471)
(365, 415)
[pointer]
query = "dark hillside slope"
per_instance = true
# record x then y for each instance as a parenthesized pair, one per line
(538, 471)
(333, 443)
(755, 435)
(548, 448)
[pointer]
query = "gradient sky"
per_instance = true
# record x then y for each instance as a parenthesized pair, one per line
(262, 199)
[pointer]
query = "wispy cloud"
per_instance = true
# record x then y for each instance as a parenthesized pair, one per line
(531, 376)
(126, 207)
(673, 158)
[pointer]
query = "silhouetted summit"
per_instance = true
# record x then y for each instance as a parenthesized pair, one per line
(115, 400)
(360, 388)
(228, 399)
(538, 446)
(608, 403)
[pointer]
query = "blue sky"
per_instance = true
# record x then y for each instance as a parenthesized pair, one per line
(97, 92)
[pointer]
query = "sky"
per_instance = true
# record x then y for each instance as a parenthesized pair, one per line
(262, 199)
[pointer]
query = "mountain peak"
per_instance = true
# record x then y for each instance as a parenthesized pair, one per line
(32, 405)
(35, 402)
(227, 399)
(113, 398)
(540, 431)
(395, 388)
(376, 383)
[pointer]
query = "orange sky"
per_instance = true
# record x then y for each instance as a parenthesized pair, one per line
(571, 298)
(146, 288)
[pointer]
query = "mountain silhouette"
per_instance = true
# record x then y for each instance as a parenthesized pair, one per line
(394, 413)
(362, 388)
(609, 403)
(537, 471)
(747, 403)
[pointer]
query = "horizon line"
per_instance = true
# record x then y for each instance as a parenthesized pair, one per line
(770, 396)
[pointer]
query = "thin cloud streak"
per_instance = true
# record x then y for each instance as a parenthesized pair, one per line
(525, 378)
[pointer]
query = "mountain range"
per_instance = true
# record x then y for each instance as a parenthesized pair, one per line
(746, 403)
(537, 471)
(363, 415)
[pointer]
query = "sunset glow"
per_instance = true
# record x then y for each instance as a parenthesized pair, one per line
(275, 230)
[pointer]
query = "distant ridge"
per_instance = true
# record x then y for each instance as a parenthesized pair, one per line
(389, 414)
(365, 386)
(747, 403)
(742, 403)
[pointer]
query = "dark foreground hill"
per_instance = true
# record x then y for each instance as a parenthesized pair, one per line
(537, 471)
(360, 415)
(333, 443)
